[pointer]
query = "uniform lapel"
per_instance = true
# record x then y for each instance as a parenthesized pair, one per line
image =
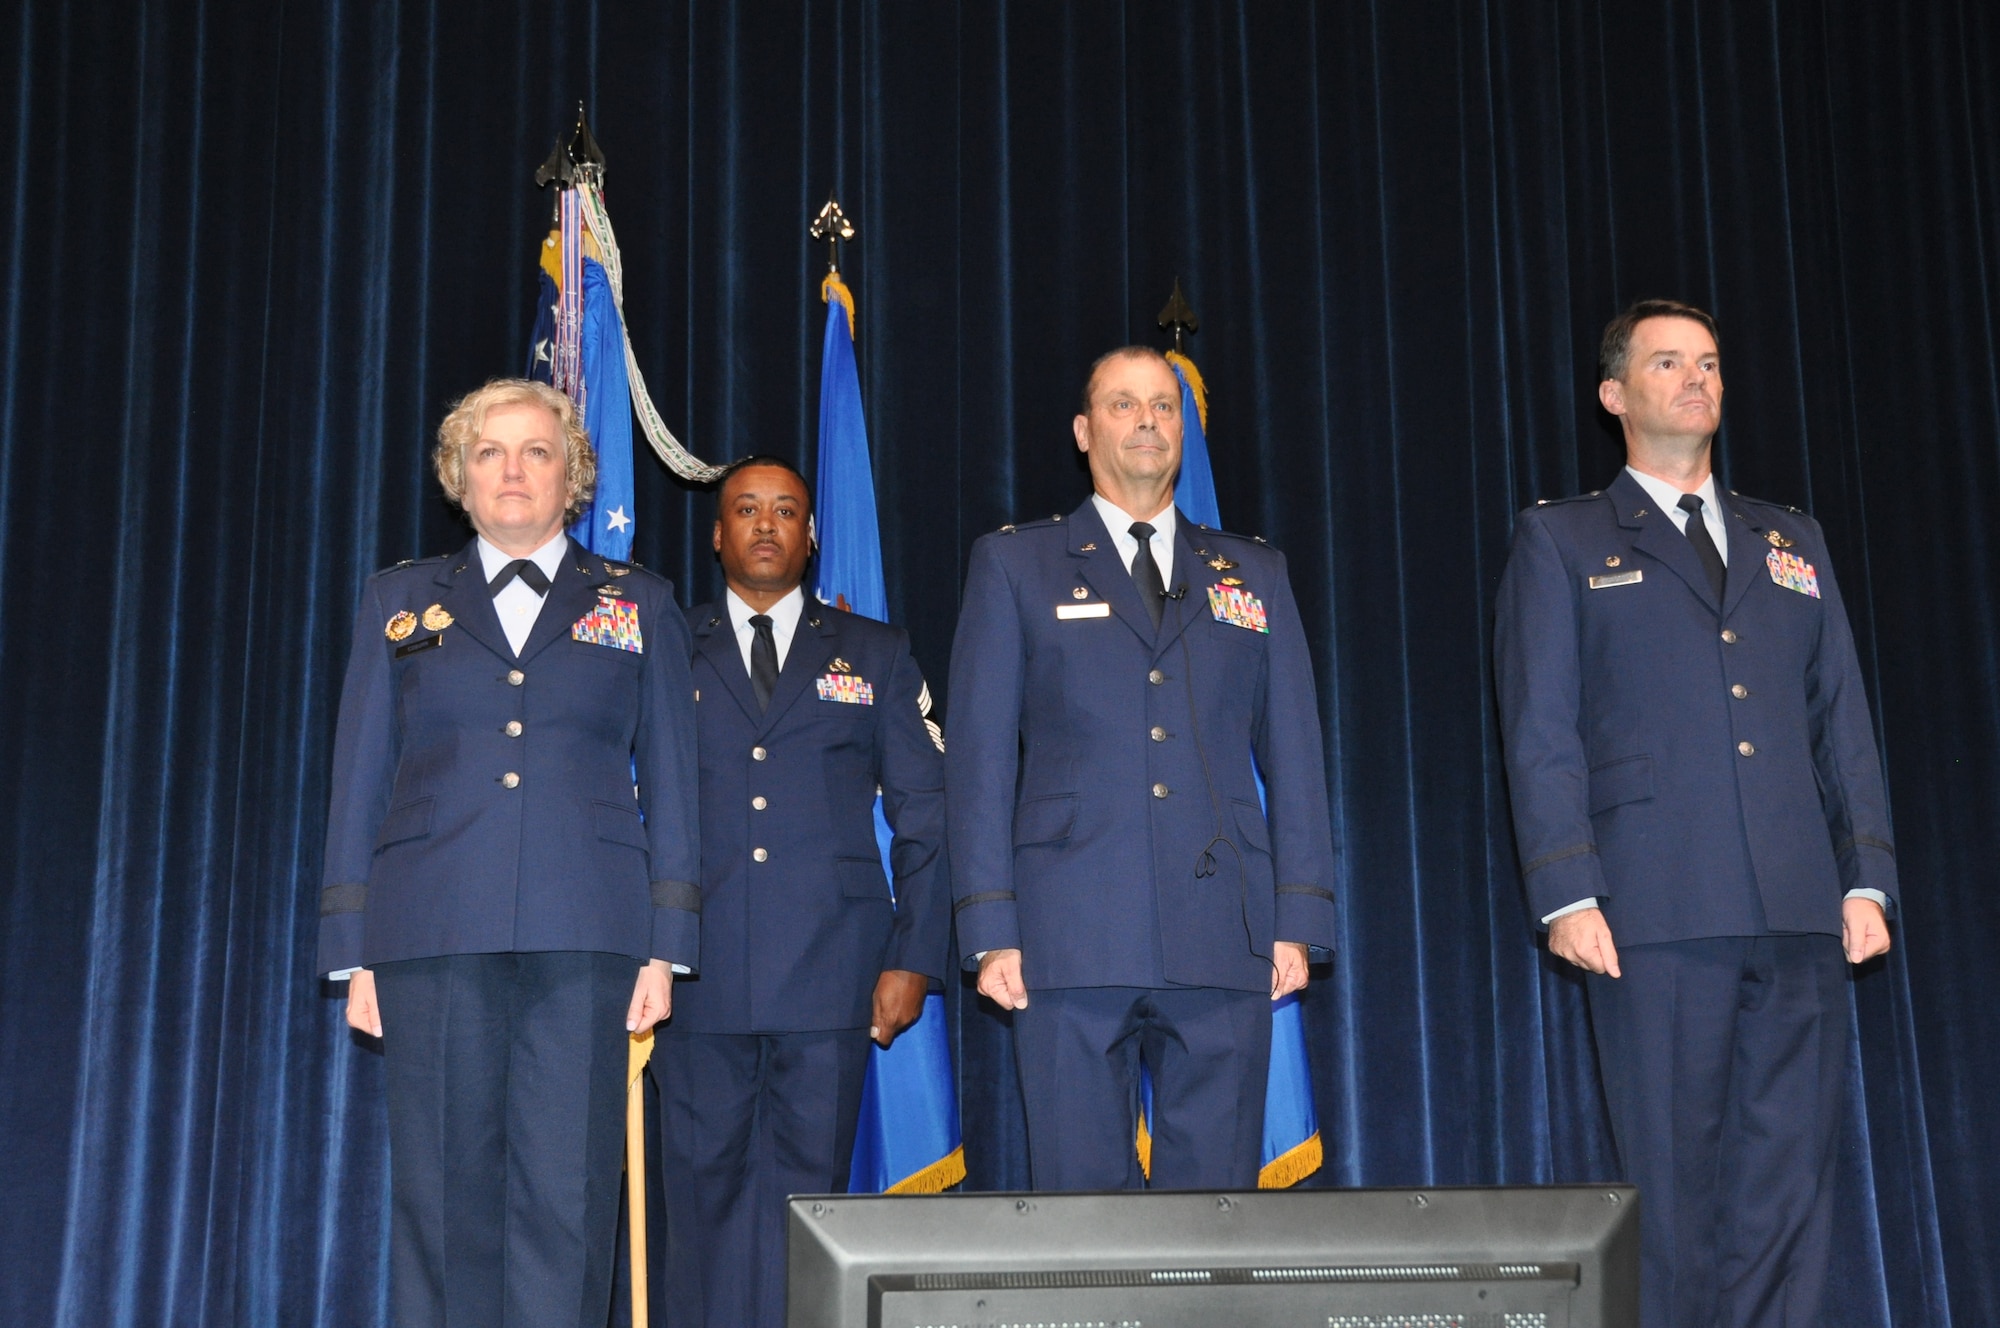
(1656, 535)
(462, 593)
(1100, 568)
(1746, 557)
(572, 594)
(715, 640)
(812, 647)
(1191, 572)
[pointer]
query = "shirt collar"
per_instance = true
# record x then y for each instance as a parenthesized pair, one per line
(1119, 521)
(1668, 496)
(548, 557)
(784, 614)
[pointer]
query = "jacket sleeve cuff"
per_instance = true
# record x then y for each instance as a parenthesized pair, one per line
(1305, 916)
(985, 921)
(340, 941)
(1560, 878)
(677, 925)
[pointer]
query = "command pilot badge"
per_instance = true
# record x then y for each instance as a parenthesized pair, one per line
(1777, 541)
(436, 619)
(1220, 563)
(1237, 607)
(401, 626)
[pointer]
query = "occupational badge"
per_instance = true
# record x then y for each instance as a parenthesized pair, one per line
(839, 665)
(1231, 581)
(847, 688)
(436, 619)
(1792, 572)
(614, 623)
(401, 626)
(1778, 541)
(1220, 563)
(1237, 607)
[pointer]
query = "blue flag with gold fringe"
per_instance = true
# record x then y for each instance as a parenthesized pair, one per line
(908, 1140)
(1292, 1148)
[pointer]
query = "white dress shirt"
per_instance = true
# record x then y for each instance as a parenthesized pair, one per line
(784, 622)
(517, 604)
(1119, 522)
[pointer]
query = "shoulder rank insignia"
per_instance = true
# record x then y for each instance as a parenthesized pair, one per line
(436, 619)
(401, 626)
(1238, 607)
(1778, 541)
(1220, 563)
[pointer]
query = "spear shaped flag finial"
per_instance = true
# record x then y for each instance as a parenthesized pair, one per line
(1178, 318)
(832, 226)
(569, 164)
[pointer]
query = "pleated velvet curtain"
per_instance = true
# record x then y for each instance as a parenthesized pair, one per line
(255, 248)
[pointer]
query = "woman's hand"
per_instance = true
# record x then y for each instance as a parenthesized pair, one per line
(652, 997)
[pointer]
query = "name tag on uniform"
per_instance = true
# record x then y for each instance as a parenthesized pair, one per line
(1631, 578)
(1793, 572)
(614, 623)
(1097, 610)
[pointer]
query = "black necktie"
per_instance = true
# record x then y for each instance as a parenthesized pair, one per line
(763, 660)
(1704, 547)
(533, 577)
(1146, 573)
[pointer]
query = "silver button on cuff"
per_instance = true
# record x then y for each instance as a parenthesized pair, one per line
(511, 780)
(513, 729)
(759, 803)
(758, 753)
(1161, 790)
(515, 677)
(1746, 748)
(760, 854)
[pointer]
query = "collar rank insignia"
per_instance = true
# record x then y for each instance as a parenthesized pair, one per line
(1088, 548)
(839, 665)
(401, 626)
(1220, 563)
(847, 688)
(1081, 592)
(436, 619)
(1778, 541)
(614, 623)
(1238, 607)
(1792, 572)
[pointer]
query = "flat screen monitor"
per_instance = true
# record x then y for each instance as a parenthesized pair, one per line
(1556, 1256)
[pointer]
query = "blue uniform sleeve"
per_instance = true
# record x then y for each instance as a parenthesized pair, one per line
(364, 770)
(912, 778)
(1844, 753)
(1538, 675)
(1293, 763)
(665, 758)
(983, 756)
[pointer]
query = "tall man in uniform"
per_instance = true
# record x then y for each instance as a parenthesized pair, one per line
(803, 711)
(1119, 678)
(1703, 828)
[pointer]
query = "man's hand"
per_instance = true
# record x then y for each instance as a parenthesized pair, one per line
(1000, 979)
(1584, 938)
(1864, 931)
(1288, 968)
(899, 1002)
(364, 1014)
(652, 997)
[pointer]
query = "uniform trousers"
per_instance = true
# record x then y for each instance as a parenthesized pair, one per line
(1078, 1050)
(506, 1087)
(1724, 1061)
(746, 1121)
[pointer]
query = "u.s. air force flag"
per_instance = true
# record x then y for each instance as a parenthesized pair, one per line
(908, 1139)
(1292, 1149)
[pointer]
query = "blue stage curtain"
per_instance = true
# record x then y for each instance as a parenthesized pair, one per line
(255, 248)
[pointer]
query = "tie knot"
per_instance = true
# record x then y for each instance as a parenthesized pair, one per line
(761, 621)
(1691, 504)
(533, 577)
(1142, 531)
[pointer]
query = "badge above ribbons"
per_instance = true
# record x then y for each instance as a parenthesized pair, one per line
(614, 622)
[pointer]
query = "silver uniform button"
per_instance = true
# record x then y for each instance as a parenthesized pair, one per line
(1746, 748)
(1160, 790)
(1729, 635)
(759, 803)
(758, 753)
(1156, 677)
(513, 729)
(1739, 691)
(1157, 734)
(511, 780)
(760, 854)
(515, 677)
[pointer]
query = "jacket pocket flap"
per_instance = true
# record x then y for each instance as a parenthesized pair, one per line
(1629, 779)
(861, 878)
(412, 820)
(619, 824)
(1251, 825)
(1045, 820)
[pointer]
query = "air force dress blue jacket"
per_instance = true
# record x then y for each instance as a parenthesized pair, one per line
(797, 919)
(484, 802)
(1101, 787)
(1703, 768)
